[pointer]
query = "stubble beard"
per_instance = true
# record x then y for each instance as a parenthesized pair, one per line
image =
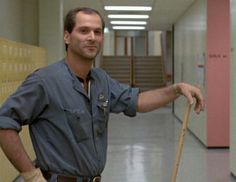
(89, 55)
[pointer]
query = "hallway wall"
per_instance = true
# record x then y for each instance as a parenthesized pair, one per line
(202, 53)
(190, 50)
(12, 18)
(30, 22)
(51, 28)
(19, 20)
(218, 72)
(33, 22)
(154, 41)
(114, 42)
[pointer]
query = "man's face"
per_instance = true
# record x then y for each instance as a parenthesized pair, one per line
(86, 38)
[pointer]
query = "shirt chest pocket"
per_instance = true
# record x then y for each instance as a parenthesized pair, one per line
(103, 116)
(77, 124)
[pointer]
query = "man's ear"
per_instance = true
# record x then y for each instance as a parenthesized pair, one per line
(67, 37)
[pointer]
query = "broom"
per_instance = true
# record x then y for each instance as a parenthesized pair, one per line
(181, 143)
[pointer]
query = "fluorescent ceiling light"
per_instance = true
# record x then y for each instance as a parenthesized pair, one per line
(128, 22)
(128, 16)
(128, 8)
(128, 27)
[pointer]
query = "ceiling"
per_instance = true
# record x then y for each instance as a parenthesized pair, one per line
(163, 15)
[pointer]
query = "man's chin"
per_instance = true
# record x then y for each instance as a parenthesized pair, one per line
(90, 56)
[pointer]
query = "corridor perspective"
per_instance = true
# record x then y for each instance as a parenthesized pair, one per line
(143, 44)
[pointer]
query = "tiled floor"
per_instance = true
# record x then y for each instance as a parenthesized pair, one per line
(142, 149)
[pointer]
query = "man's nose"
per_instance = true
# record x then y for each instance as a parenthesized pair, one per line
(91, 35)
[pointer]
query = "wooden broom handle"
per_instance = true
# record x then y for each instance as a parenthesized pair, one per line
(181, 143)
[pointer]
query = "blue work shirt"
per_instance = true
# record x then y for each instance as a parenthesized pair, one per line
(68, 128)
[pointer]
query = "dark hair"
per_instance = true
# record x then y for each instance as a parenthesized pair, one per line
(69, 21)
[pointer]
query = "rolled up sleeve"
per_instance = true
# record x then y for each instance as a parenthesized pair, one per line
(9, 123)
(24, 105)
(123, 98)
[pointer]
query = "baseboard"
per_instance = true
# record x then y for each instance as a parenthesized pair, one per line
(203, 144)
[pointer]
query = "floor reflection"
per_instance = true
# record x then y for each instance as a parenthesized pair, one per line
(142, 149)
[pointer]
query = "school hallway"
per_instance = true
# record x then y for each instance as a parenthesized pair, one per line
(142, 149)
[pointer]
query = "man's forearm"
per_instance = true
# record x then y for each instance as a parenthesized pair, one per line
(12, 147)
(154, 99)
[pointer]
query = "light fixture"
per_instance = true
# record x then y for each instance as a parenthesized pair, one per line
(122, 16)
(128, 27)
(128, 22)
(128, 8)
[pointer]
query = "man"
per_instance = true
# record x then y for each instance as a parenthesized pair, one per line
(67, 105)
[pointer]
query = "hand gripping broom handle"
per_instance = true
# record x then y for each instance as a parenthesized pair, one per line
(181, 143)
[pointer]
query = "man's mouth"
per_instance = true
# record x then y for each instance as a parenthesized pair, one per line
(91, 47)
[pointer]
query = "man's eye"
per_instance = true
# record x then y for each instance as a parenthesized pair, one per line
(84, 31)
(98, 32)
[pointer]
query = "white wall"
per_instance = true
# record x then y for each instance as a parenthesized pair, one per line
(11, 18)
(109, 41)
(30, 21)
(51, 28)
(140, 46)
(190, 47)
(19, 20)
(233, 91)
(120, 46)
(154, 43)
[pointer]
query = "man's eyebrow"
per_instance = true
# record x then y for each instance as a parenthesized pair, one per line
(95, 28)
